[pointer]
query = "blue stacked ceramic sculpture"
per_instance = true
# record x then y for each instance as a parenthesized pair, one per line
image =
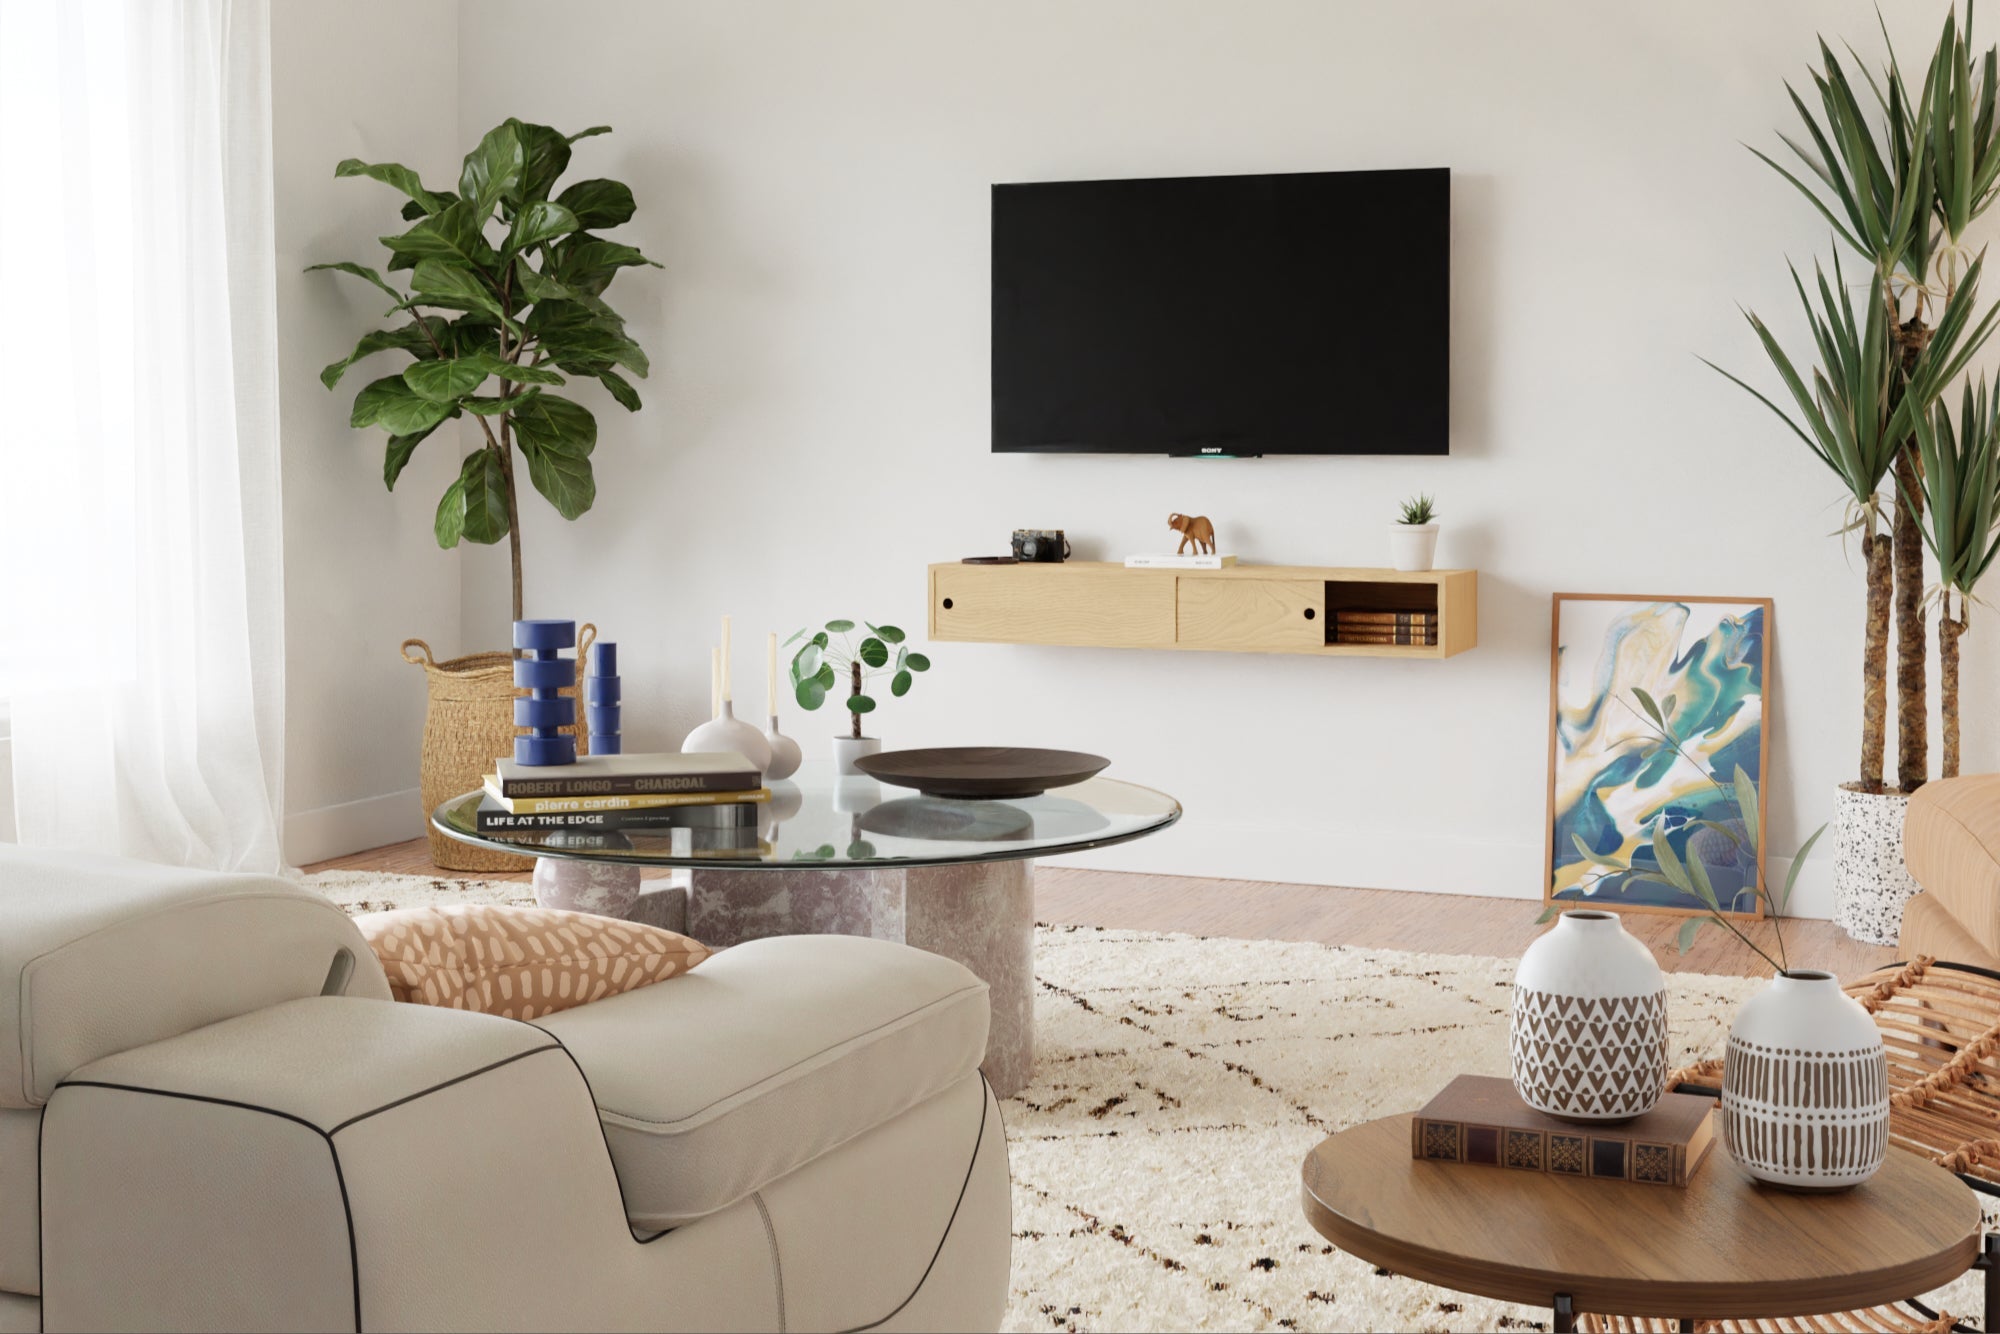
(601, 696)
(544, 672)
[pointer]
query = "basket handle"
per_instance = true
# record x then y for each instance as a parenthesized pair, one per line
(426, 661)
(584, 639)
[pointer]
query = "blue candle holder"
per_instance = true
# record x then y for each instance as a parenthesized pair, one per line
(602, 697)
(544, 672)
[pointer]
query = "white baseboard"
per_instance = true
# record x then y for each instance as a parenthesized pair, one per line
(354, 826)
(1438, 864)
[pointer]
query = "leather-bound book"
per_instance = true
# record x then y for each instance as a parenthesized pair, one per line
(1481, 1121)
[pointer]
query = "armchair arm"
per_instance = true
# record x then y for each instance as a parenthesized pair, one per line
(333, 1163)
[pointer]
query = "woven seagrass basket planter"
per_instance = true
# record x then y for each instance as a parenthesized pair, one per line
(468, 724)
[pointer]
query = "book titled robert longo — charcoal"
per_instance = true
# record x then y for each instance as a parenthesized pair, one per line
(659, 772)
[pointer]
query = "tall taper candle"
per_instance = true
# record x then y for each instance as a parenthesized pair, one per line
(727, 693)
(714, 682)
(771, 674)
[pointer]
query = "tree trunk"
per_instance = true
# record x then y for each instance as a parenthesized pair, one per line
(1912, 650)
(857, 690)
(513, 505)
(1950, 630)
(1877, 548)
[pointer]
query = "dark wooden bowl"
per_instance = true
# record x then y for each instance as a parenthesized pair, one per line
(981, 771)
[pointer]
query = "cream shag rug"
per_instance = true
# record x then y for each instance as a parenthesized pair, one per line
(1180, 1081)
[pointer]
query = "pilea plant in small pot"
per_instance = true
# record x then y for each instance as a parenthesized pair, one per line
(1413, 538)
(820, 664)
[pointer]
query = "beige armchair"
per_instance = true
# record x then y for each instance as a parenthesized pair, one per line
(1951, 843)
(213, 1117)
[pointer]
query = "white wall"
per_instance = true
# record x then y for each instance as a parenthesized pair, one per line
(377, 80)
(815, 180)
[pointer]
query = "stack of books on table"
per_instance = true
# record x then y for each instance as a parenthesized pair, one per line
(638, 792)
(1482, 1121)
(1385, 625)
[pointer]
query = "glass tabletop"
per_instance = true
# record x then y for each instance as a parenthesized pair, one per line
(818, 820)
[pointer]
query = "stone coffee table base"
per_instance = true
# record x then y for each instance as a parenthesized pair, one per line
(981, 914)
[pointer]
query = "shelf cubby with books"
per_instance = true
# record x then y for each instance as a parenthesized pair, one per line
(1243, 608)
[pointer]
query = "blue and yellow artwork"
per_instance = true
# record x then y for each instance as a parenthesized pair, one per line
(1617, 774)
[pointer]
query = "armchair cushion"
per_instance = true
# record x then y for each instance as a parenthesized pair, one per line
(99, 954)
(520, 962)
(1951, 843)
(771, 1054)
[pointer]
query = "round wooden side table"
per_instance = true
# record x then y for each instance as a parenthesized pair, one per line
(1722, 1247)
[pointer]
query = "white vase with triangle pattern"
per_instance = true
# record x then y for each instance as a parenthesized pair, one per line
(1588, 1038)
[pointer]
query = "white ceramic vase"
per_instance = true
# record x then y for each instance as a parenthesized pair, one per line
(1589, 1032)
(848, 749)
(1870, 882)
(785, 753)
(726, 731)
(1413, 546)
(1805, 1086)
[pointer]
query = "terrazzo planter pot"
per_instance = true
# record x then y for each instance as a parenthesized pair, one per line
(1413, 546)
(1589, 1033)
(848, 749)
(1805, 1086)
(1870, 882)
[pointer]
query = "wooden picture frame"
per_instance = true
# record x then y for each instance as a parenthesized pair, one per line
(1718, 661)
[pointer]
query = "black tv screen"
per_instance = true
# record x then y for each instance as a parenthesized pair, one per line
(1230, 315)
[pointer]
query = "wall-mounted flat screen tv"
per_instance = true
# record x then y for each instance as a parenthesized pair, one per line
(1304, 313)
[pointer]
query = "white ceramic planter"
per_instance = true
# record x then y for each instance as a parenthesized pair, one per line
(1589, 1034)
(1413, 546)
(1870, 882)
(726, 731)
(848, 749)
(1805, 1086)
(785, 753)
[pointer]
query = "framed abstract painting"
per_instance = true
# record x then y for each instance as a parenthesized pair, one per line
(1654, 705)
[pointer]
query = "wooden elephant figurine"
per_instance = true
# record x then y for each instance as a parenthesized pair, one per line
(1196, 529)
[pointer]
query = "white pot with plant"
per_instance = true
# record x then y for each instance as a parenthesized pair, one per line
(1876, 396)
(1413, 539)
(821, 663)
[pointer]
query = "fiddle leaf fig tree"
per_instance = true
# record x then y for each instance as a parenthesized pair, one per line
(506, 280)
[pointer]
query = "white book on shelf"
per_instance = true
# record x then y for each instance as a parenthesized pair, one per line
(1170, 562)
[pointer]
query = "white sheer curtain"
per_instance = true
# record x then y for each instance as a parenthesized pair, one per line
(141, 641)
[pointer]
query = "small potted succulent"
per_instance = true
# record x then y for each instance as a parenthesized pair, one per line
(1413, 539)
(820, 663)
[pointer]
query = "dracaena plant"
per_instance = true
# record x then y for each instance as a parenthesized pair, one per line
(821, 662)
(1900, 176)
(505, 304)
(1959, 505)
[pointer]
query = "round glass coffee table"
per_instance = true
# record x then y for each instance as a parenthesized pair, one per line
(848, 856)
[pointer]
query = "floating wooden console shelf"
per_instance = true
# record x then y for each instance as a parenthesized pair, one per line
(1243, 609)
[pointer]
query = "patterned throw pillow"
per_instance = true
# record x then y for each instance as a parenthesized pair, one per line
(520, 963)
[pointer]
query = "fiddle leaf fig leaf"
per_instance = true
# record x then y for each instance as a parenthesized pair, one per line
(483, 482)
(392, 174)
(449, 525)
(397, 455)
(538, 222)
(410, 338)
(599, 203)
(544, 158)
(361, 271)
(390, 402)
(493, 168)
(621, 390)
(557, 437)
(456, 286)
(493, 407)
(453, 233)
(448, 381)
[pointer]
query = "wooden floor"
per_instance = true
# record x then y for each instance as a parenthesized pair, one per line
(1377, 918)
